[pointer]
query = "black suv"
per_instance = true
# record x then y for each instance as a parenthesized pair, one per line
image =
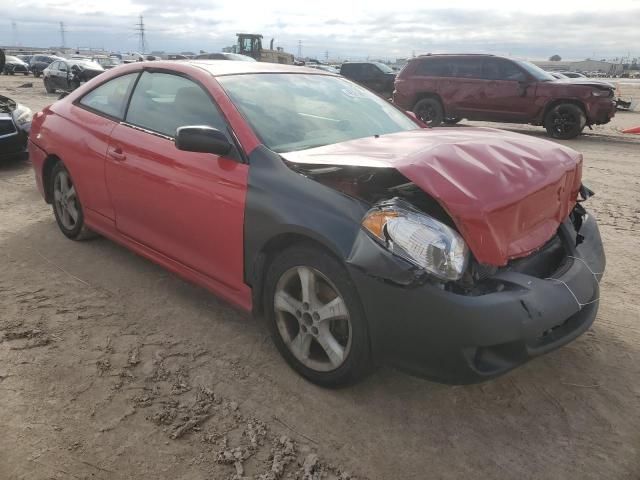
(40, 62)
(375, 76)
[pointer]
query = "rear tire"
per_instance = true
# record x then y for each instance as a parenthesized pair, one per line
(565, 121)
(66, 205)
(429, 111)
(327, 346)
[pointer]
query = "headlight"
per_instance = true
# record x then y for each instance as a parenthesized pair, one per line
(419, 238)
(22, 115)
(600, 93)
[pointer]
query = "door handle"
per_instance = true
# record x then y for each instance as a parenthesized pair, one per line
(116, 153)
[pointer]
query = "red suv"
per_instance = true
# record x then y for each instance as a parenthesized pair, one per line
(446, 88)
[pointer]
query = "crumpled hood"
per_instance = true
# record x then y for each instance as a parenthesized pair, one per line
(507, 193)
(587, 82)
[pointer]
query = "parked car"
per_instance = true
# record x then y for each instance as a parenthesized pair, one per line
(40, 62)
(68, 75)
(224, 56)
(15, 122)
(14, 65)
(301, 196)
(573, 74)
(446, 88)
(325, 68)
(25, 58)
(375, 76)
(106, 62)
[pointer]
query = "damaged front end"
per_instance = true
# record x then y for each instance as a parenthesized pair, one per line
(419, 233)
(434, 309)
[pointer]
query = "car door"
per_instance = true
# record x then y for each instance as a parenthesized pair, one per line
(63, 75)
(464, 90)
(55, 74)
(510, 93)
(188, 206)
(371, 77)
(50, 75)
(96, 114)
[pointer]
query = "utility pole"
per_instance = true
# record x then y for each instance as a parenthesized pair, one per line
(299, 48)
(140, 32)
(63, 43)
(326, 56)
(14, 33)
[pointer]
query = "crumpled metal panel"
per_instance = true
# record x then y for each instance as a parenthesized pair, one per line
(507, 193)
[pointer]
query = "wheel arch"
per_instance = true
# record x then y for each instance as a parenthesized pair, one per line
(47, 170)
(559, 101)
(270, 250)
(423, 95)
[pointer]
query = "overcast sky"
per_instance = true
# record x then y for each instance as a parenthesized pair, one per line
(346, 29)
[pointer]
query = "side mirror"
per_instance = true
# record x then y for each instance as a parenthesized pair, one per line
(202, 139)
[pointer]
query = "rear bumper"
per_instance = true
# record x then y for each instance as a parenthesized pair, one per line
(601, 111)
(454, 338)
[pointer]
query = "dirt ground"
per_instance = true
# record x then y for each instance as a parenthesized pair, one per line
(111, 368)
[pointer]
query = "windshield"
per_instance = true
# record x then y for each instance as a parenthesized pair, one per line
(9, 58)
(535, 71)
(292, 112)
(384, 68)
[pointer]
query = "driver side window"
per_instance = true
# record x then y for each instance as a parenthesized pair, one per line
(512, 72)
(162, 102)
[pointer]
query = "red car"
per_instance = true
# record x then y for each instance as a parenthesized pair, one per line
(446, 88)
(363, 238)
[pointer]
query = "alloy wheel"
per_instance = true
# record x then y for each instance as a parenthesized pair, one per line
(312, 318)
(426, 114)
(65, 200)
(564, 120)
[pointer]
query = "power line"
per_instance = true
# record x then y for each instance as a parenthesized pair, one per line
(140, 32)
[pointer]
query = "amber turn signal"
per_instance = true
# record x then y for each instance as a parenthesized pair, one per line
(375, 221)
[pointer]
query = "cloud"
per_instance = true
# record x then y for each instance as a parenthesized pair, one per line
(356, 29)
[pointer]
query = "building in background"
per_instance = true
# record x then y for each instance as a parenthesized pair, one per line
(607, 68)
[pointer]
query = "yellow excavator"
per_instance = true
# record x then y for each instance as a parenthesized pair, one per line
(250, 44)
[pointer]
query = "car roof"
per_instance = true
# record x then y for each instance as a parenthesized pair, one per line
(225, 67)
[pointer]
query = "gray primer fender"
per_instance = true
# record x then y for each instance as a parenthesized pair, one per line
(281, 201)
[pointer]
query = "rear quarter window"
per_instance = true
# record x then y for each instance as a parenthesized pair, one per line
(111, 97)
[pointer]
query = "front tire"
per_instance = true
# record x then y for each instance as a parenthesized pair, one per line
(315, 317)
(66, 205)
(48, 87)
(565, 121)
(452, 121)
(429, 111)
